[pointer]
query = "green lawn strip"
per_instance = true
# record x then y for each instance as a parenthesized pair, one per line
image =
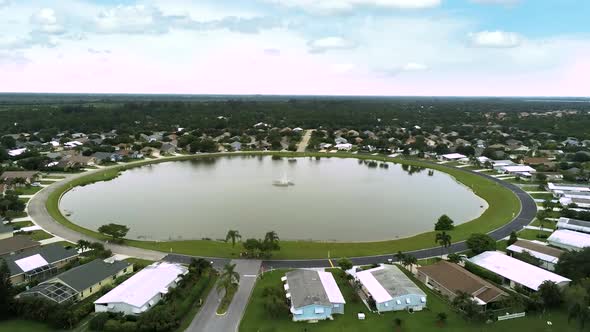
(40, 235)
(24, 199)
(542, 196)
(503, 207)
(14, 215)
(20, 325)
(21, 224)
(546, 224)
(27, 190)
(226, 300)
(428, 261)
(188, 318)
(54, 177)
(47, 182)
(531, 234)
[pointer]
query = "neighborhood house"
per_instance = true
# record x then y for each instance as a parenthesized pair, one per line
(548, 256)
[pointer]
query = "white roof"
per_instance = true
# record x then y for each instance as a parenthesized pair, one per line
(516, 270)
(453, 156)
(16, 152)
(144, 285)
(570, 238)
(565, 187)
(30, 263)
(539, 255)
(373, 286)
(331, 288)
(518, 169)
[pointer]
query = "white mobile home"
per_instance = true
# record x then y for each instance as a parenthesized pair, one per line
(143, 290)
(570, 240)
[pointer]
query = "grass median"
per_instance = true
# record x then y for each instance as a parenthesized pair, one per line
(503, 206)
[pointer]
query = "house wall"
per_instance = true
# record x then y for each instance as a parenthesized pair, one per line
(309, 313)
(127, 309)
(107, 281)
(392, 305)
(563, 246)
(338, 308)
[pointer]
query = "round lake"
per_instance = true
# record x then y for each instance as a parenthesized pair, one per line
(331, 199)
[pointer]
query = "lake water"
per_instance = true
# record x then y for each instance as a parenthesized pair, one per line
(332, 199)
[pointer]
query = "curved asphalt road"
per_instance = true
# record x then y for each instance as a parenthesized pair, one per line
(38, 213)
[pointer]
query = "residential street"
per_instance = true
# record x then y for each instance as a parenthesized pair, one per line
(208, 320)
(304, 141)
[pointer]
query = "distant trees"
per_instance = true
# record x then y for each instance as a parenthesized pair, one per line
(479, 243)
(444, 223)
(234, 236)
(115, 231)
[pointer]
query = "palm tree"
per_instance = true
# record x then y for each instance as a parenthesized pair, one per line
(228, 278)
(444, 240)
(233, 235)
(82, 245)
(272, 238)
(400, 256)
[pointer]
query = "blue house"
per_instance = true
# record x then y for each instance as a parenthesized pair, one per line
(391, 289)
(314, 295)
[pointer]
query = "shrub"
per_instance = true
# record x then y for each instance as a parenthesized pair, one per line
(113, 325)
(483, 272)
(98, 322)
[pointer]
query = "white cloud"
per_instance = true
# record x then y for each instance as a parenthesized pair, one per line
(272, 51)
(339, 6)
(330, 43)
(45, 21)
(496, 2)
(414, 66)
(342, 68)
(495, 39)
(130, 19)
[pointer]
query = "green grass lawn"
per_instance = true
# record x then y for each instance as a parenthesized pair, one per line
(531, 234)
(18, 325)
(256, 319)
(54, 177)
(40, 235)
(503, 207)
(47, 182)
(542, 196)
(24, 199)
(22, 224)
(547, 224)
(27, 190)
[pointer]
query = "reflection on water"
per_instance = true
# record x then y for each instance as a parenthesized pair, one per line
(334, 200)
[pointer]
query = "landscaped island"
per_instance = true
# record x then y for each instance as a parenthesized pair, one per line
(503, 206)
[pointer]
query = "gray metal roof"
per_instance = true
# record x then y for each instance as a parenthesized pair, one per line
(87, 275)
(306, 288)
(16, 243)
(52, 253)
(395, 282)
(565, 222)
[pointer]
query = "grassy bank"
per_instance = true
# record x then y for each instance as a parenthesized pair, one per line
(503, 207)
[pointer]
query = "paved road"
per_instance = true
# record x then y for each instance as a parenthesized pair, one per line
(38, 213)
(304, 141)
(207, 319)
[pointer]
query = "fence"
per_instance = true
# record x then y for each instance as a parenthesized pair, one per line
(511, 316)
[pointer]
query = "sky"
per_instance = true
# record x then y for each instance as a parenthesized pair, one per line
(297, 47)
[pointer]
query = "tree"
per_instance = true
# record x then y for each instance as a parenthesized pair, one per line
(228, 277)
(542, 217)
(574, 264)
(234, 236)
(409, 260)
(444, 240)
(444, 223)
(198, 266)
(6, 290)
(400, 256)
(441, 317)
(83, 245)
(345, 264)
(550, 293)
(454, 258)
(117, 232)
(252, 246)
(576, 299)
(465, 303)
(272, 239)
(513, 238)
(479, 243)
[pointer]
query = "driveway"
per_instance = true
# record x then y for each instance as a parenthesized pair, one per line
(207, 318)
(304, 141)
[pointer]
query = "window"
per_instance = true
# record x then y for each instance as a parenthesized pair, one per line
(336, 305)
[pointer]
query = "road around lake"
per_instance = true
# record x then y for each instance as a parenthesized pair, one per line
(37, 211)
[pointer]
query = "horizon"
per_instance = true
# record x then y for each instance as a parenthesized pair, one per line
(438, 48)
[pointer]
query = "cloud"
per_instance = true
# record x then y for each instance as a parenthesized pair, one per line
(496, 2)
(408, 67)
(342, 68)
(95, 51)
(45, 21)
(140, 19)
(340, 6)
(330, 43)
(272, 51)
(495, 39)
(4, 3)
(13, 58)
